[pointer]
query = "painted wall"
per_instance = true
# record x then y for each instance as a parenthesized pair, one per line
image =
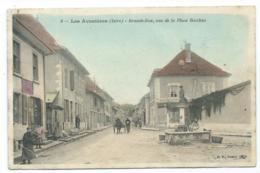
(55, 81)
(192, 85)
(234, 116)
(26, 55)
(193, 88)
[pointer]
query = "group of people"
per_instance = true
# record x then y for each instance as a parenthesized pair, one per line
(138, 123)
(118, 125)
(33, 136)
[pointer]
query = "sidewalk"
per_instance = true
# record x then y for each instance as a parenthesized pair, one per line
(51, 143)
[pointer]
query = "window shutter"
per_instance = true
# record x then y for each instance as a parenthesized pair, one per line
(16, 57)
(72, 80)
(16, 107)
(35, 67)
(66, 78)
(20, 109)
(30, 111)
(25, 110)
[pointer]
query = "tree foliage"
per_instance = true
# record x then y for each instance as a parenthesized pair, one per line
(128, 109)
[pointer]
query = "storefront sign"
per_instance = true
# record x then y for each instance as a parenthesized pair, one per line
(27, 87)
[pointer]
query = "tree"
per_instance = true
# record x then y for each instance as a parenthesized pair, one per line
(128, 109)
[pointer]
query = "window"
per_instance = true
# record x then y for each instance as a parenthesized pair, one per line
(66, 110)
(30, 111)
(174, 90)
(76, 109)
(25, 110)
(35, 67)
(71, 111)
(208, 87)
(66, 78)
(16, 57)
(16, 107)
(37, 111)
(95, 101)
(72, 80)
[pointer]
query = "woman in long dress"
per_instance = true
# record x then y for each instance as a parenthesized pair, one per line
(28, 152)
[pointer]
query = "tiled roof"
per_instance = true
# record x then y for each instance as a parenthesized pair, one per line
(33, 26)
(94, 88)
(197, 67)
(91, 86)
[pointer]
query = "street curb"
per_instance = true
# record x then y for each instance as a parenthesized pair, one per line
(72, 139)
(150, 129)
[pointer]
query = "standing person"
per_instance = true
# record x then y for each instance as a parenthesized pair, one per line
(118, 125)
(127, 124)
(27, 152)
(39, 136)
(57, 130)
(114, 126)
(140, 123)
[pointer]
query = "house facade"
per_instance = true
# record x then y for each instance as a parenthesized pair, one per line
(65, 91)
(142, 110)
(51, 88)
(108, 104)
(97, 109)
(188, 75)
(30, 45)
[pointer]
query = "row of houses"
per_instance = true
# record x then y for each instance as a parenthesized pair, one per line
(190, 88)
(51, 88)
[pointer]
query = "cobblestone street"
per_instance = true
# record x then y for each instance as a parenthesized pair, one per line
(140, 147)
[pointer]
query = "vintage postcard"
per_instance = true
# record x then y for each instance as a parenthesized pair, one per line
(131, 87)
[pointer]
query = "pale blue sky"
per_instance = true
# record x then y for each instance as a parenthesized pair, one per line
(122, 57)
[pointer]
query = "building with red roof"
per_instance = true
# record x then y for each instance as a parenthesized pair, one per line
(187, 72)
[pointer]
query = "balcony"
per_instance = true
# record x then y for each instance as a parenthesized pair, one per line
(168, 100)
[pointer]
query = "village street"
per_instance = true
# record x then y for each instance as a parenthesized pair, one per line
(142, 147)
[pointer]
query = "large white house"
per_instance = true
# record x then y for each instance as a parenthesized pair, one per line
(30, 44)
(65, 91)
(186, 71)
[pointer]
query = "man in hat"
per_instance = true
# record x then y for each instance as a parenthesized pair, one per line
(27, 152)
(127, 125)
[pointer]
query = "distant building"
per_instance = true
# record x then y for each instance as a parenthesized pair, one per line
(108, 104)
(96, 107)
(188, 74)
(118, 112)
(31, 44)
(142, 110)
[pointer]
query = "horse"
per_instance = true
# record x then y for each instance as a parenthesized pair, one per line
(118, 125)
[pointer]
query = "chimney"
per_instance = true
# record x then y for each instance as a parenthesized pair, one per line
(188, 53)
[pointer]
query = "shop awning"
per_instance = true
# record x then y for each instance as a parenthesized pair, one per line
(50, 97)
